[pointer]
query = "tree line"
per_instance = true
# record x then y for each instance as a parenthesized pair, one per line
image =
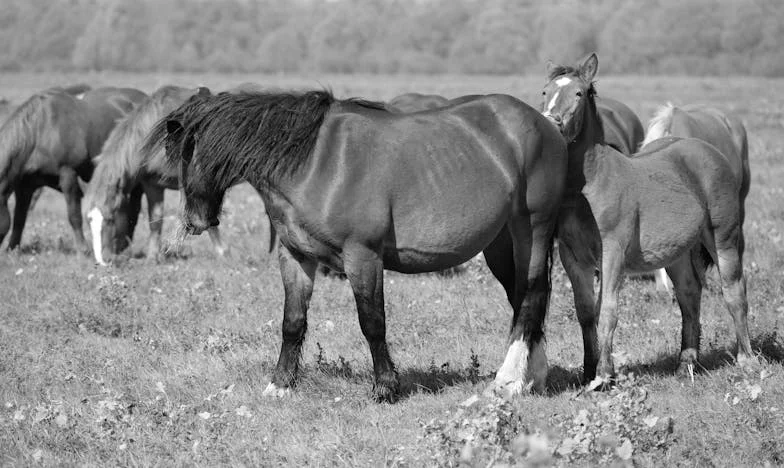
(393, 36)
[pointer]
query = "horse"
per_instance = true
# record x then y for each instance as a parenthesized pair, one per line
(361, 189)
(674, 205)
(50, 140)
(622, 128)
(416, 102)
(724, 131)
(124, 173)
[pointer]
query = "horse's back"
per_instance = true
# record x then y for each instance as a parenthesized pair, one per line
(726, 132)
(105, 107)
(416, 102)
(622, 128)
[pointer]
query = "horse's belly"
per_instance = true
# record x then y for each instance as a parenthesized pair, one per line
(665, 233)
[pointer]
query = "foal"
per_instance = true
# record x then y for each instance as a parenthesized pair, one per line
(675, 205)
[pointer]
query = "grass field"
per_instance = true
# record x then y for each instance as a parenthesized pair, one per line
(163, 364)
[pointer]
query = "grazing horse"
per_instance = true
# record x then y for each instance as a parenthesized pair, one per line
(124, 173)
(725, 132)
(50, 140)
(358, 188)
(675, 205)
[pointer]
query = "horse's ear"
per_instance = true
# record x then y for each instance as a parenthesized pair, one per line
(204, 91)
(548, 68)
(589, 67)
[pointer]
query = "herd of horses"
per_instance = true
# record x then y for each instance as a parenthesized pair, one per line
(418, 184)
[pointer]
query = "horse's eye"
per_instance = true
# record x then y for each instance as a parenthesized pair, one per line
(579, 94)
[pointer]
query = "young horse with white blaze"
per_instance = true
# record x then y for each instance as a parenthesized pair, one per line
(125, 172)
(361, 189)
(674, 205)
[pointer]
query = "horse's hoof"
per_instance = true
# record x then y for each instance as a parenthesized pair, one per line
(273, 391)
(748, 362)
(386, 393)
(601, 383)
(510, 389)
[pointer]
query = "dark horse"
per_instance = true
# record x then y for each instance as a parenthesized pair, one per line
(351, 185)
(50, 140)
(675, 205)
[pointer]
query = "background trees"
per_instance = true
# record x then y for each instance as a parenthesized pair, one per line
(389, 36)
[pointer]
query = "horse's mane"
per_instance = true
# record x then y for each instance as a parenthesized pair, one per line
(121, 160)
(659, 126)
(265, 135)
(20, 130)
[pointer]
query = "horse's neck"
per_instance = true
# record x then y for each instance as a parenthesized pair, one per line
(584, 158)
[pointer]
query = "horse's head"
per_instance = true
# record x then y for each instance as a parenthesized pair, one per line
(108, 210)
(567, 93)
(203, 198)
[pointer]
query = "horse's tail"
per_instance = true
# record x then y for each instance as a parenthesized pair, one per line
(659, 126)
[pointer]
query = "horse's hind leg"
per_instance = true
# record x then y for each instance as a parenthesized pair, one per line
(581, 275)
(525, 364)
(297, 273)
(688, 292)
(365, 271)
(69, 184)
(733, 287)
(24, 196)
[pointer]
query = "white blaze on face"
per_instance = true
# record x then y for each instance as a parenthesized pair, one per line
(552, 103)
(96, 223)
(563, 81)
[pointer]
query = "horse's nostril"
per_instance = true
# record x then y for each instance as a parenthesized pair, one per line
(214, 223)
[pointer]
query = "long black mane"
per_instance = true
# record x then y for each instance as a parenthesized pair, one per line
(260, 135)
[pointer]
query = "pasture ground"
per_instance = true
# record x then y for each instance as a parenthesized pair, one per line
(148, 363)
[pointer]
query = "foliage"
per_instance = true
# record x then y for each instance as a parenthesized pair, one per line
(378, 36)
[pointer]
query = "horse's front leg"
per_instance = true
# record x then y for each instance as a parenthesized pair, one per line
(297, 273)
(581, 276)
(365, 272)
(217, 243)
(155, 215)
(24, 197)
(525, 365)
(5, 217)
(69, 185)
(611, 279)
